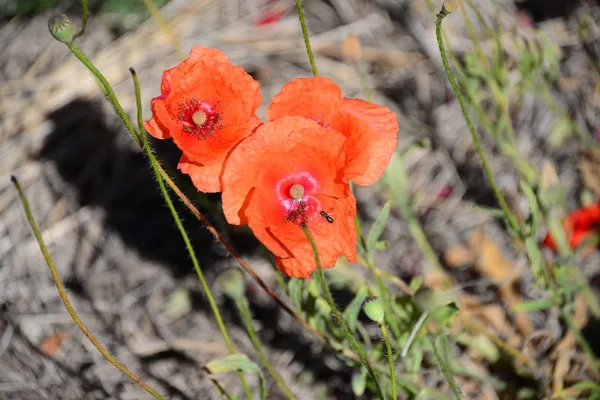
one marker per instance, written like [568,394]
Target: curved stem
[188,243]
[388,345]
[338,315]
[445,371]
[309,51]
[244,310]
[65,299]
[510,218]
[84,19]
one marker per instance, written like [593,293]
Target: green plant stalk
[338,315]
[84,19]
[510,218]
[184,235]
[244,310]
[445,371]
[109,91]
[65,299]
[566,314]
[309,51]
[385,294]
[388,345]
[162,24]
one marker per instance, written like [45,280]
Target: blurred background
[124,263]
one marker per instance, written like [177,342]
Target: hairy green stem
[309,51]
[65,299]
[188,244]
[388,345]
[510,218]
[244,309]
[338,315]
[445,371]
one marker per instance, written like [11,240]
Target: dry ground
[114,242]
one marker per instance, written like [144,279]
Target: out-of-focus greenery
[29,8]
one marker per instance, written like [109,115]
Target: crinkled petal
[315,98]
[372,133]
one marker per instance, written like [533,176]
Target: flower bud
[233,283]
[61,28]
[449,6]
[374,309]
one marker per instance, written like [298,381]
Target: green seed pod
[61,28]
[374,309]
[233,283]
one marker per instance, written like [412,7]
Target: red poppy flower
[372,130]
[289,174]
[580,225]
[207,105]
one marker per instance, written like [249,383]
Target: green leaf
[560,132]
[430,394]
[231,363]
[378,226]
[444,313]
[359,381]
[353,309]
[382,245]
[533,305]
[295,286]
[416,283]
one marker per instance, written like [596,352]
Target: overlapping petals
[287,175]
[207,105]
[371,130]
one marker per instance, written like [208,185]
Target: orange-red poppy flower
[580,225]
[372,130]
[287,175]
[207,105]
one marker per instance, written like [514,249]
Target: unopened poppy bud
[351,48]
[449,7]
[61,28]
[233,283]
[374,309]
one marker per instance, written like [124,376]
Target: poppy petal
[314,98]
[372,133]
[204,177]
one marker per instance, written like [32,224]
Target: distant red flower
[580,225]
[371,130]
[289,174]
[207,105]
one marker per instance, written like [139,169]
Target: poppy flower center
[199,119]
[296,194]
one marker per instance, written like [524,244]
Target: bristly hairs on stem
[338,315]
[311,57]
[188,244]
[65,299]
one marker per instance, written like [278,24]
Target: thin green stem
[190,249]
[388,345]
[309,51]
[385,294]
[338,315]
[108,89]
[445,371]
[583,343]
[84,19]
[65,299]
[510,218]
[244,310]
